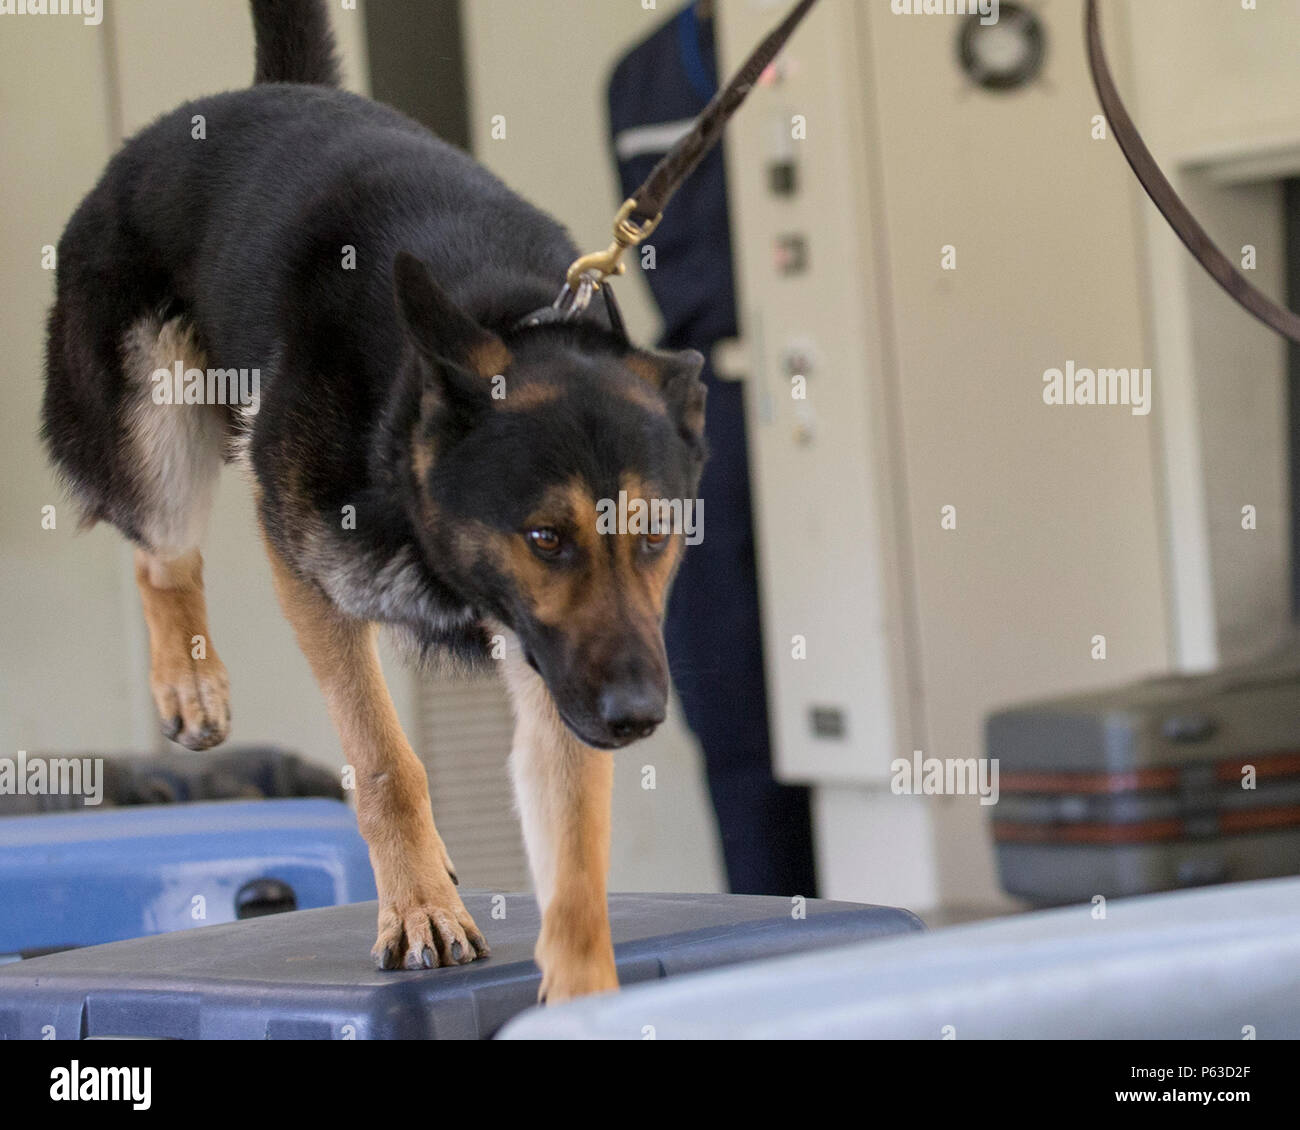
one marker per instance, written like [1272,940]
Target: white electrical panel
[817,418]
[926,223]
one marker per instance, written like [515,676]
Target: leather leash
[1168,201]
[641,213]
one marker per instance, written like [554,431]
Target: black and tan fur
[420,462]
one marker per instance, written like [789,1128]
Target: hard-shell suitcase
[80,878]
[1171,782]
[308,975]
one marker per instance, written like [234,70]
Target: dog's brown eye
[545,541]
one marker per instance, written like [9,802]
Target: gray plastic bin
[1218,964]
[308,975]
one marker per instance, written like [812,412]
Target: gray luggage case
[1172,782]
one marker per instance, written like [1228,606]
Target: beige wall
[1218,99]
[1059,535]
[63,679]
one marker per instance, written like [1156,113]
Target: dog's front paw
[564,980]
[574,951]
[193,700]
[427,932]
[576,957]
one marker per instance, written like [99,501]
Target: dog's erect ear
[676,377]
[446,337]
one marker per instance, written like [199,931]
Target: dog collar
[572,304]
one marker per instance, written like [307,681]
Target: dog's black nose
[631,710]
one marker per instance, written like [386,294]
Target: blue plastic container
[82,878]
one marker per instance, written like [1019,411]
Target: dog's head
[552,480]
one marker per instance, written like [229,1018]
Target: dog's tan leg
[422,921]
[175,454]
[189,682]
[563,790]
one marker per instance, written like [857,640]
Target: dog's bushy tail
[294,43]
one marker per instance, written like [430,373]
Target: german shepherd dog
[420,460]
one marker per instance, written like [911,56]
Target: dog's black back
[262,226]
[258,216]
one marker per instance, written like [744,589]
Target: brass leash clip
[600,265]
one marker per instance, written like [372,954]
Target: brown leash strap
[678,164]
[1167,200]
[641,213]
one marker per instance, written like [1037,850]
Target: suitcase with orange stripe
[1172,782]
